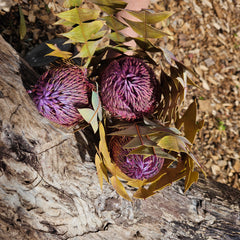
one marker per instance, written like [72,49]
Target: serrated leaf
[150,18]
[191,176]
[22,27]
[104,149]
[101,170]
[86,113]
[58,52]
[149,151]
[136,142]
[72,3]
[191,126]
[64,23]
[144,30]
[79,15]
[172,175]
[88,49]
[114,23]
[84,32]
[172,143]
[168,55]
[118,186]
[143,193]
[111,7]
[117,37]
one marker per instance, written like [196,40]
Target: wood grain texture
[49,187]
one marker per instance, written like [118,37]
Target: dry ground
[206,38]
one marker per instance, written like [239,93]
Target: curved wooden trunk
[49,187]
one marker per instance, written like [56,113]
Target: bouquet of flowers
[145,139]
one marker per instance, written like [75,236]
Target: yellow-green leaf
[84,32]
[57,52]
[72,3]
[148,151]
[114,23]
[101,170]
[150,18]
[64,23]
[145,30]
[79,15]
[111,7]
[22,28]
[118,186]
[172,143]
[88,49]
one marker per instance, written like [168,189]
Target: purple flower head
[59,91]
[129,88]
[134,166]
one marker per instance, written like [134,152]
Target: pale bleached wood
[49,190]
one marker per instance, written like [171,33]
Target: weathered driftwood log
[49,187]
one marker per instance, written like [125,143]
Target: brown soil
[206,38]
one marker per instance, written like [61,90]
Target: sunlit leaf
[136,142]
[143,193]
[172,143]
[57,52]
[191,176]
[118,186]
[144,30]
[22,28]
[114,23]
[149,17]
[84,32]
[149,151]
[168,55]
[79,15]
[64,23]
[191,126]
[88,49]
[111,7]
[101,170]
[104,149]
[72,3]
[117,37]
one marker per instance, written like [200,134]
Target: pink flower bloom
[134,166]
[59,91]
[129,88]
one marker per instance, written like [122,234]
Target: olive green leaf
[118,186]
[114,23]
[79,15]
[111,7]
[149,17]
[57,52]
[144,30]
[22,28]
[84,31]
[72,3]
[101,170]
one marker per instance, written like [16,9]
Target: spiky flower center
[59,91]
[134,165]
[128,88]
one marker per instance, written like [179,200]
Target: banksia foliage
[129,88]
[60,91]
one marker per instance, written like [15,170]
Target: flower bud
[129,88]
[60,91]
[133,165]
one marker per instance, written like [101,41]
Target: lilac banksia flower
[133,165]
[59,92]
[129,88]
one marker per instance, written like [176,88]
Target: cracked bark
[49,187]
